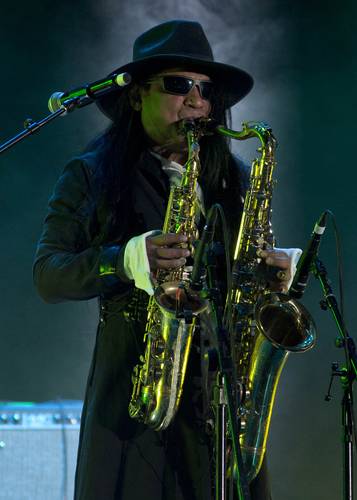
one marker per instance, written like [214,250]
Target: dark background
[303,59]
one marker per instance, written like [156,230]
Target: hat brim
[236,83]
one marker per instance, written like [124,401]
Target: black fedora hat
[181,44]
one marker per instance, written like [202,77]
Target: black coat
[77,260]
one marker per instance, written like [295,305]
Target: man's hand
[280,259]
[165,251]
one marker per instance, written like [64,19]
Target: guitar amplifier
[38,449]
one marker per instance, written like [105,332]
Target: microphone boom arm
[61,103]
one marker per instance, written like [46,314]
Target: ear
[135,97]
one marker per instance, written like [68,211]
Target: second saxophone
[264,326]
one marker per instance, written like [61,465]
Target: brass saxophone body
[265,326]
[172,310]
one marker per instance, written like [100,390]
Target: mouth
[199,123]
[180,124]
[192,117]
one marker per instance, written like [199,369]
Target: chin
[176,143]
[178,147]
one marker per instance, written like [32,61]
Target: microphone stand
[65,102]
[226,397]
[31,126]
[347,375]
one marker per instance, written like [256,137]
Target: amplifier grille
[38,450]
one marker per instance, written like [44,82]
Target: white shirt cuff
[136,263]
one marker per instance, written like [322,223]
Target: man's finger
[167,239]
[275,258]
[171,253]
[169,263]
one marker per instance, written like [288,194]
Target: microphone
[82,96]
[206,239]
[306,260]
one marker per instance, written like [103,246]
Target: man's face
[161,111]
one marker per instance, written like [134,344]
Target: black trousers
[175,464]
[145,475]
[120,459]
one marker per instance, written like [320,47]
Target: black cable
[227,314]
[226,248]
[341,304]
[339,262]
[228,324]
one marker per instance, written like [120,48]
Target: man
[100,239]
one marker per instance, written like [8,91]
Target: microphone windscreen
[54,102]
[123,79]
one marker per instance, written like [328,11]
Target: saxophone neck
[259,130]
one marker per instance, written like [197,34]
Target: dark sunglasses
[182,85]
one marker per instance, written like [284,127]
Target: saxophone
[264,326]
[172,310]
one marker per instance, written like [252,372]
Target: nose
[194,97]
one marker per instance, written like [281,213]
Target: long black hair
[121,145]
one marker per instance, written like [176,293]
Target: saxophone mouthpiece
[186,125]
[202,126]
[208,125]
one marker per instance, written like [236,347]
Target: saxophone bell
[282,325]
[179,300]
[285,322]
